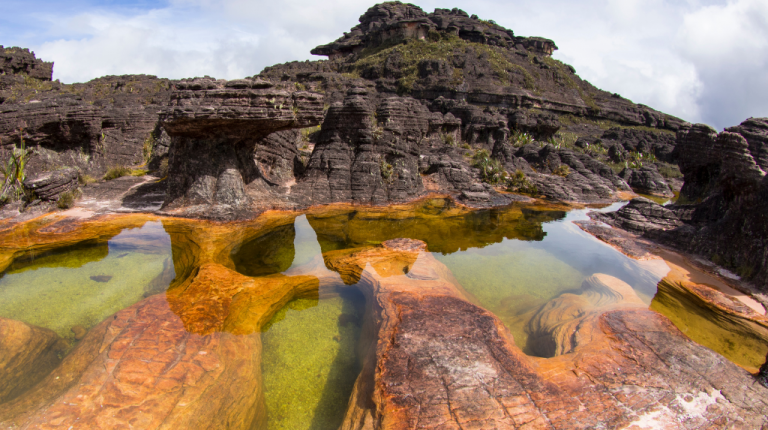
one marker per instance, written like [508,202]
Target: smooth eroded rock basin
[426,315]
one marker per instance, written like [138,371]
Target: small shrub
[162,171]
[307,132]
[67,198]
[116,172]
[519,138]
[491,170]
[561,170]
[14,171]
[85,179]
[149,145]
[386,170]
[519,183]
[300,86]
[139,172]
[449,140]
[636,160]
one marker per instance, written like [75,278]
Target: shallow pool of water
[81,285]
[511,261]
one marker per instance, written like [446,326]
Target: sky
[700,60]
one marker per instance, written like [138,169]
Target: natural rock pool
[270,323]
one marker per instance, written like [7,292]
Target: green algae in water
[56,291]
[309,362]
[512,280]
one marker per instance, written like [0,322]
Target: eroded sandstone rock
[438,361]
[27,354]
[219,159]
[49,186]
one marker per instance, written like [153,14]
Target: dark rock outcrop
[755,131]
[15,60]
[110,121]
[409,100]
[647,180]
[721,213]
[48,186]
[641,216]
[661,145]
[223,160]
[564,175]
[394,22]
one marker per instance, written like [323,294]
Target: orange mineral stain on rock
[191,358]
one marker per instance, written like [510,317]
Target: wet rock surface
[27,354]
[432,358]
[443,363]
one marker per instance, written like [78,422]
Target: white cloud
[701,60]
[728,45]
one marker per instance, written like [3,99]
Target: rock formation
[441,362]
[222,160]
[15,61]
[413,99]
[107,122]
[721,211]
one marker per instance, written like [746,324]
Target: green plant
[162,171]
[519,183]
[491,170]
[448,139]
[116,172]
[85,179]
[519,138]
[635,160]
[561,170]
[67,198]
[14,170]
[300,86]
[149,145]
[596,149]
[377,130]
[386,170]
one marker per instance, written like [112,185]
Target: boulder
[641,216]
[48,186]
[647,180]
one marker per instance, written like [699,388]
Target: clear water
[83,285]
[509,260]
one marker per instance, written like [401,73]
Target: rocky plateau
[408,105]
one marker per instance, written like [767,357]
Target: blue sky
[701,60]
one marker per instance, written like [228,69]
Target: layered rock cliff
[721,212]
[412,103]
